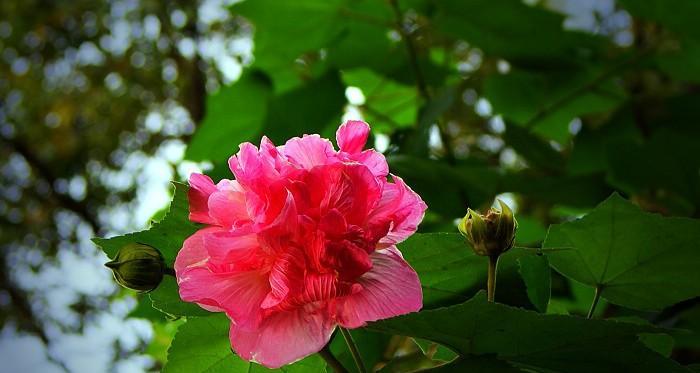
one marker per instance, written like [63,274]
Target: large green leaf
[166,235]
[666,161]
[537,276]
[234,114]
[285,30]
[451,273]
[545,102]
[311,106]
[388,105]
[636,259]
[512,29]
[202,345]
[469,181]
[526,339]
[166,298]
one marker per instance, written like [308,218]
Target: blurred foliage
[553,104]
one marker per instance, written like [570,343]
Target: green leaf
[549,108]
[285,30]
[680,16]
[534,341]
[513,30]
[537,276]
[365,42]
[450,272]
[388,105]
[202,345]
[638,260]
[234,114]
[483,363]
[166,235]
[474,182]
[315,105]
[166,299]
[665,161]
[683,64]
[370,344]
[536,151]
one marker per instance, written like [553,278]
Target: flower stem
[169,271]
[331,360]
[491,281]
[353,350]
[596,298]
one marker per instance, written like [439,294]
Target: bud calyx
[138,267]
[491,234]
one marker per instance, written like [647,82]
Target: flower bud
[138,267]
[491,234]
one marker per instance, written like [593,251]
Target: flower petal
[374,160]
[201,187]
[309,151]
[390,288]
[352,136]
[239,294]
[232,249]
[193,252]
[283,337]
[402,207]
[227,205]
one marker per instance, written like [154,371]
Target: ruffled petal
[352,136]
[283,337]
[233,249]
[402,207]
[349,188]
[193,252]
[309,151]
[391,288]
[374,160]
[227,205]
[239,294]
[286,276]
[201,187]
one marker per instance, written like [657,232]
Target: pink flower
[301,241]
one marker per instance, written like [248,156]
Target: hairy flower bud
[491,234]
[138,267]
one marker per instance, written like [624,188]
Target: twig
[545,112]
[353,350]
[331,360]
[43,171]
[411,48]
[594,303]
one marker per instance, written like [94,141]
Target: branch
[420,80]
[21,304]
[593,84]
[411,48]
[45,172]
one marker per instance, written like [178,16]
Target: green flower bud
[138,267]
[491,234]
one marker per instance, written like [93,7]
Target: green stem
[596,298]
[353,350]
[331,360]
[491,281]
